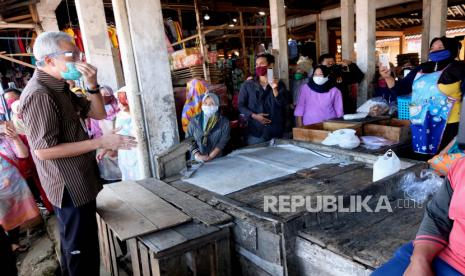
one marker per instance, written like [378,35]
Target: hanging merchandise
[113,36]
[386,165]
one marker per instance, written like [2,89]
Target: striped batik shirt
[52,115]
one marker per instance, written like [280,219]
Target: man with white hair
[61,148]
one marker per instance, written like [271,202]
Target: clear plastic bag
[420,188]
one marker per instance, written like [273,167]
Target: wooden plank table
[161,225]
[130,210]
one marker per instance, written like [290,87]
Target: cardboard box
[393,129]
[318,132]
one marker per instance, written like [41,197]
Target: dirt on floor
[40,258]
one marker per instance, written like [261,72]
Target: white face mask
[209,110]
[320,80]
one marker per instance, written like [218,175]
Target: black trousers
[79,238]
[7,258]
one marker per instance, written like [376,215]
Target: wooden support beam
[382,33]
[16,26]
[226,27]
[17,18]
[17,61]
[244,49]
[229,7]
[399,9]
[35,17]
[203,51]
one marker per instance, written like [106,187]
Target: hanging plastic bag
[344,138]
[386,165]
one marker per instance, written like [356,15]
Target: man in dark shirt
[61,148]
[344,76]
[263,103]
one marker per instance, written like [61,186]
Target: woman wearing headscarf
[319,100]
[436,87]
[209,129]
[107,160]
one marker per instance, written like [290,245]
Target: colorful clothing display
[17,205]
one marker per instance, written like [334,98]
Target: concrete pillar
[425,31]
[366,44]
[131,83]
[322,38]
[92,22]
[438,19]
[434,24]
[347,28]
[279,39]
[154,76]
[46,15]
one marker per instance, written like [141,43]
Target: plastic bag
[375,142]
[386,165]
[374,107]
[355,116]
[344,138]
[419,189]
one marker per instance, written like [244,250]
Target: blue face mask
[439,55]
[72,73]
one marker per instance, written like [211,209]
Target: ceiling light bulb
[262,13]
[206,17]
[234,20]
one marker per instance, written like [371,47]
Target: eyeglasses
[75,55]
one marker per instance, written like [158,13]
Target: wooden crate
[318,132]
[189,249]
[393,129]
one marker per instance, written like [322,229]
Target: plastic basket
[403,107]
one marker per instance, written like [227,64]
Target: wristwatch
[93,91]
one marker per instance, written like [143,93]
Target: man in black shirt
[262,102]
[344,76]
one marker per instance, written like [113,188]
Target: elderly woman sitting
[209,129]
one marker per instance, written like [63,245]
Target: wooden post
[402,44]
[434,24]
[203,51]
[366,44]
[180,24]
[132,85]
[244,49]
[322,36]
[279,38]
[347,28]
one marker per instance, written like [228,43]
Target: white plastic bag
[419,189]
[344,138]
[386,165]
[366,107]
[355,116]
